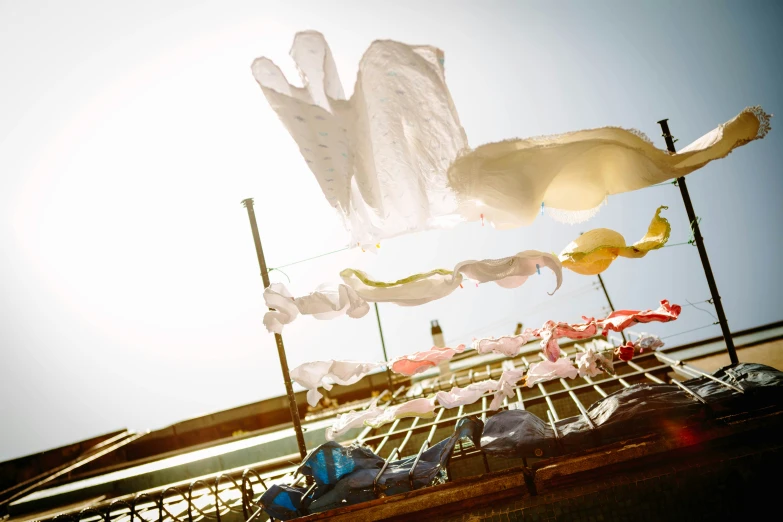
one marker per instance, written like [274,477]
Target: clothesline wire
[677,244]
[691,330]
[309,259]
[702,309]
[697,302]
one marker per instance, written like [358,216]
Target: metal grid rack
[233,496]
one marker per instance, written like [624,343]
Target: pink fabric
[508,345]
[552,331]
[622,319]
[617,321]
[422,361]
[549,370]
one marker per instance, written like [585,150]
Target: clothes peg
[538,269]
[482,220]
[542,208]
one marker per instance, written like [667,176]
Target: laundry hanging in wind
[394,159]
[589,254]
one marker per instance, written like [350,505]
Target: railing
[234,497]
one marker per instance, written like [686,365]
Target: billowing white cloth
[313,375]
[352,419]
[503,388]
[507,182]
[508,379]
[380,157]
[547,370]
[324,303]
[468,395]
[415,408]
[648,342]
[394,158]
[376,417]
[592,361]
[507,272]
[352,297]
[508,345]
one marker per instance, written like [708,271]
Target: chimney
[437,340]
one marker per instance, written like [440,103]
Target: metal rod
[578,404]
[705,261]
[248,204]
[383,468]
[611,306]
[424,446]
[383,346]
[674,363]
[689,391]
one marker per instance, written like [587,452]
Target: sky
[130,293]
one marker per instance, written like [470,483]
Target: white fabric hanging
[508,272]
[468,395]
[593,361]
[381,157]
[351,298]
[509,345]
[324,303]
[547,370]
[325,374]
[507,182]
[353,419]
[648,342]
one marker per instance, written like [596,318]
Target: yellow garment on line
[593,252]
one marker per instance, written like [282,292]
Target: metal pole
[383,345]
[611,306]
[705,261]
[248,204]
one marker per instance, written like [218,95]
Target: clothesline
[691,330]
[309,258]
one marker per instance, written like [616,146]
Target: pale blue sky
[129,133]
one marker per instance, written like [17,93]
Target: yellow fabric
[593,252]
[364,278]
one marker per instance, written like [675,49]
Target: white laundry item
[507,272]
[468,395]
[512,271]
[509,345]
[648,342]
[506,183]
[592,361]
[313,375]
[324,303]
[415,408]
[547,370]
[381,157]
[506,383]
[352,419]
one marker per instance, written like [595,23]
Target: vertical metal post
[383,346]
[248,204]
[705,261]
[611,306]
